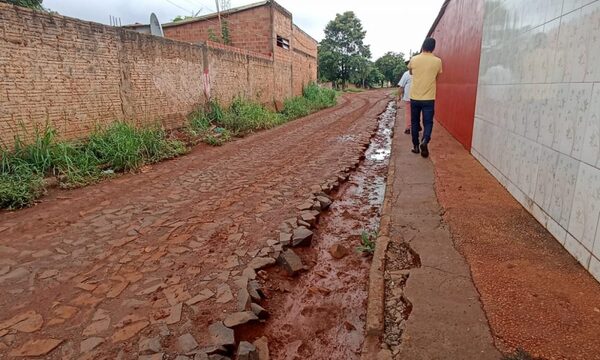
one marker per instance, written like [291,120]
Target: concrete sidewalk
[447,320]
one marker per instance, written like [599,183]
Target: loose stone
[290,262]
[262,346]
[221,335]
[338,251]
[259,311]
[255,290]
[239,318]
[247,351]
[302,237]
[261,262]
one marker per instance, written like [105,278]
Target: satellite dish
[155,27]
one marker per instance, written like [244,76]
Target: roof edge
[231,11]
[214,15]
[438,18]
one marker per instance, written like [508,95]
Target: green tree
[32,4]
[342,54]
[181,18]
[392,65]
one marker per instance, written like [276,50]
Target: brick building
[265,28]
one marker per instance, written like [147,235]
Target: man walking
[404,95]
[424,69]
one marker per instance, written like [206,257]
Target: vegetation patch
[120,147]
[216,125]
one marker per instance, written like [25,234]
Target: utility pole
[219,14]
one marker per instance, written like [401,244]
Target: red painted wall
[458,35]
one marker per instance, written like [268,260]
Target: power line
[178,6]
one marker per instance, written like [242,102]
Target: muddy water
[322,314]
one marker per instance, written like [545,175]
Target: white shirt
[405,82]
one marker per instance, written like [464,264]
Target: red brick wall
[76,75]
[304,60]
[249,29]
[282,26]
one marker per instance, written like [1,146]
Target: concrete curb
[375,325]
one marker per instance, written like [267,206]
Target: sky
[391,25]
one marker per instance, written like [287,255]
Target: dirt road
[99,272]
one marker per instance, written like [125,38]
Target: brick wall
[304,60]
[76,75]
[249,29]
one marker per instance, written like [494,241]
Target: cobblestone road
[131,266]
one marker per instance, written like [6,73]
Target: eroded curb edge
[375,325]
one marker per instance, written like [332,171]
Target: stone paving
[143,265]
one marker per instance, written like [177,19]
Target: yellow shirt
[425,69]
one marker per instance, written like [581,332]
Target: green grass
[216,125]
[120,147]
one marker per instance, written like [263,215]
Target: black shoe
[407,131]
[424,150]
[415,150]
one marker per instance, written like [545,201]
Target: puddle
[321,314]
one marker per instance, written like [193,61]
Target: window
[283,42]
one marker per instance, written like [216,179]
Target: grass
[216,125]
[120,147]
[367,240]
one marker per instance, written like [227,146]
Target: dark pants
[418,107]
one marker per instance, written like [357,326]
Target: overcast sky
[391,25]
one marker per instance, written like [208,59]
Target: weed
[120,147]
[19,186]
[37,154]
[123,147]
[520,354]
[367,245]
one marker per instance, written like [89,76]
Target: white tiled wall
[537,121]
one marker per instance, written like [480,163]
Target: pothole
[321,313]
[400,258]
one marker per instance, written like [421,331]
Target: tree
[392,65]
[342,54]
[32,4]
[181,18]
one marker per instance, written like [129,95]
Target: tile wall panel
[537,117]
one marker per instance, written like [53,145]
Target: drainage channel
[321,314]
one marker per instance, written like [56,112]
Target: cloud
[391,25]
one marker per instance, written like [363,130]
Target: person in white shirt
[404,95]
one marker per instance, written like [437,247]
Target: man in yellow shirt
[424,69]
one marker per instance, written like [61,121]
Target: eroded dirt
[322,314]
[534,293]
[88,273]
